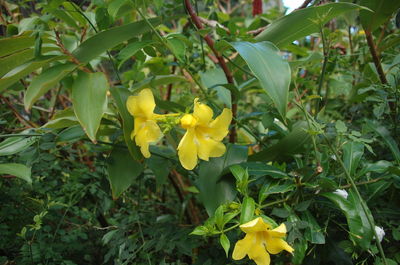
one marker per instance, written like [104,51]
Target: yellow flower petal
[280,231]
[259,254]
[256,225]
[202,112]
[188,121]
[276,245]
[219,127]
[146,102]
[148,132]
[243,246]
[187,150]
[208,147]
[133,106]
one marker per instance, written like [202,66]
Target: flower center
[188,121]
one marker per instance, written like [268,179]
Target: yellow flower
[203,136]
[260,240]
[145,130]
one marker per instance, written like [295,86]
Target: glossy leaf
[271,70]
[62,119]
[120,96]
[360,230]
[101,42]
[16,43]
[122,171]
[17,73]
[352,153]
[383,10]
[89,97]
[247,212]
[45,81]
[13,145]
[225,243]
[214,189]
[130,50]
[212,79]
[303,22]
[18,170]
[289,145]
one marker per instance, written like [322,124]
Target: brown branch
[69,54]
[18,115]
[361,183]
[304,4]
[197,22]
[375,56]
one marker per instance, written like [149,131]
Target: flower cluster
[203,133]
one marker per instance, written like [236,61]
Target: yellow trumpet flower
[146,129]
[260,241]
[203,136]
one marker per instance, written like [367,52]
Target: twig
[375,56]
[304,4]
[18,115]
[197,22]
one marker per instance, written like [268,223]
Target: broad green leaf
[214,189]
[72,9]
[247,212]
[103,19]
[158,80]
[89,97]
[45,81]
[16,43]
[387,138]
[13,145]
[352,153]
[219,217]
[120,96]
[71,134]
[108,39]
[224,241]
[271,70]
[62,119]
[21,71]
[213,77]
[18,170]
[130,50]
[9,62]
[160,166]
[360,230]
[122,171]
[261,169]
[383,11]
[303,22]
[314,232]
[289,145]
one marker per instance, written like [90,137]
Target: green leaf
[219,217]
[225,243]
[247,212]
[122,171]
[17,73]
[16,43]
[213,77]
[18,170]
[62,119]
[130,50]
[45,81]
[16,144]
[101,42]
[200,231]
[383,10]
[89,97]
[214,189]
[303,22]
[352,154]
[120,96]
[360,230]
[158,80]
[313,232]
[103,19]
[71,134]
[289,145]
[271,70]
[386,137]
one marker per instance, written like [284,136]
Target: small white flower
[380,232]
[342,193]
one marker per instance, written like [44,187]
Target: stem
[196,21]
[375,56]
[273,203]
[363,204]
[321,77]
